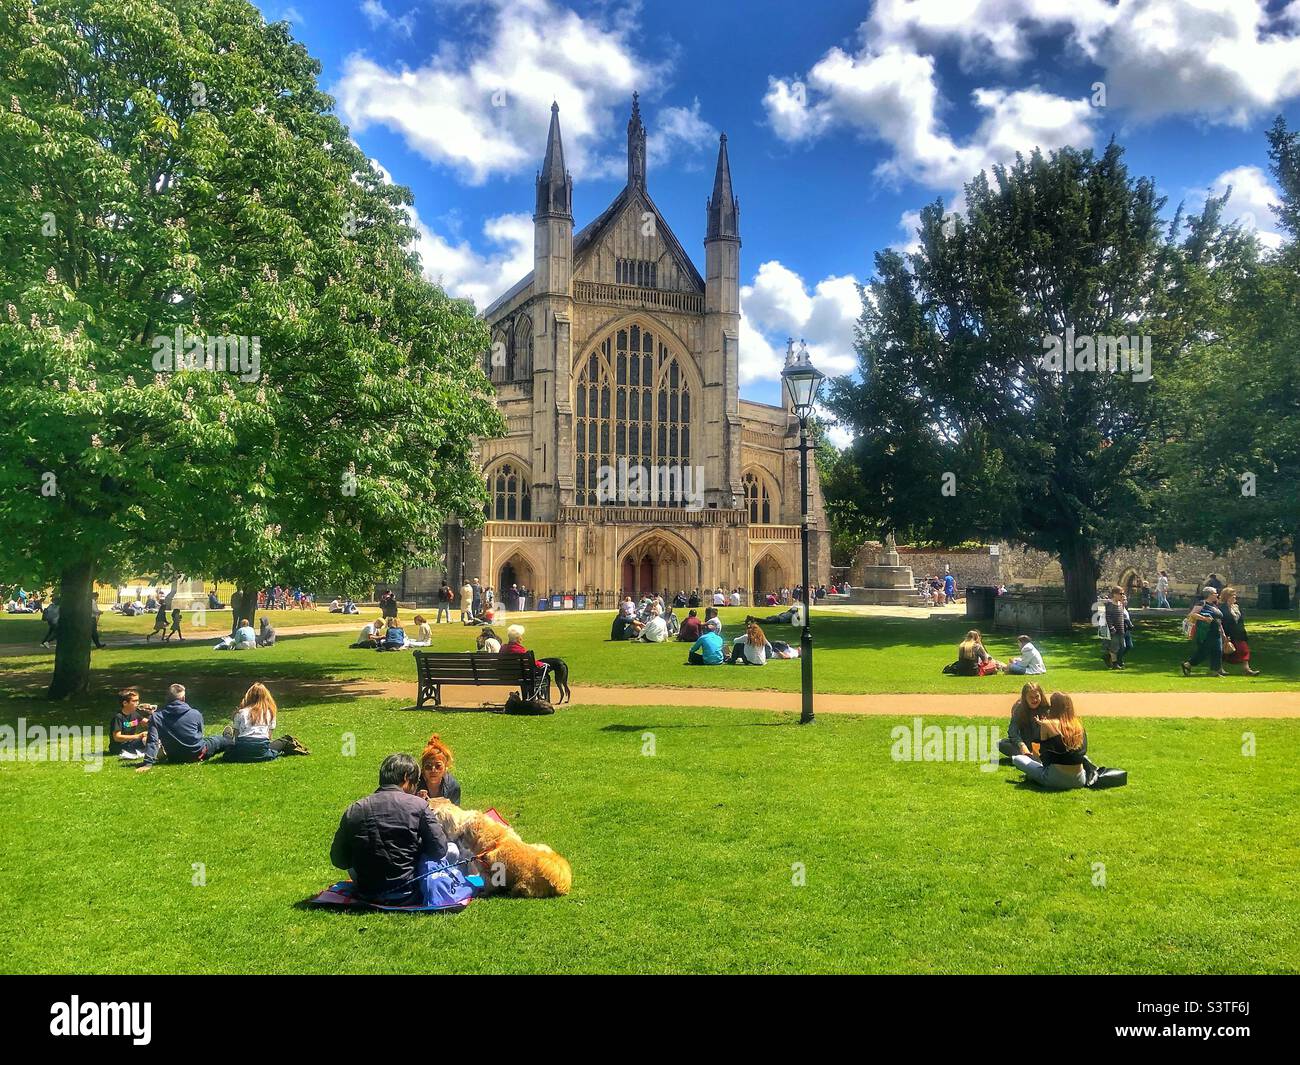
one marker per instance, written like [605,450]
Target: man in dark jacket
[179,728]
[386,840]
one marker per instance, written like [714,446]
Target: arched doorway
[515,571]
[658,562]
[1131,583]
[769,576]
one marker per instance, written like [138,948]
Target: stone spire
[724,208]
[554,183]
[635,147]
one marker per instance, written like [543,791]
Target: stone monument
[886,583]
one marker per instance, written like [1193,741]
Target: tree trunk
[1080,569]
[72,652]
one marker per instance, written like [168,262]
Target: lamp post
[802,379]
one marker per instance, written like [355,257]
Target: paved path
[984,704]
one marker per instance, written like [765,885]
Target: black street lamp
[802,379]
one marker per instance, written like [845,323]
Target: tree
[217,353]
[972,416]
[1234,457]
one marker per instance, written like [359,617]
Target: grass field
[852,654]
[683,860]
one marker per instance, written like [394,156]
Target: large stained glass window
[631,402]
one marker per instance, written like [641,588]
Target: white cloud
[1253,196]
[482,107]
[1222,60]
[462,271]
[893,95]
[777,305]
[678,130]
[379,18]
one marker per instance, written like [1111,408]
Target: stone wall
[1245,566]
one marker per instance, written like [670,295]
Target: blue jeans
[1048,776]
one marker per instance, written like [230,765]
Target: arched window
[632,402]
[522,360]
[501,355]
[760,499]
[509,495]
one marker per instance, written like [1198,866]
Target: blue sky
[842,120]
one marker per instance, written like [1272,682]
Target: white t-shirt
[491,646]
[1162,583]
[244,727]
[719,599]
[655,631]
[755,656]
[735,599]
[245,637]
[1032,660]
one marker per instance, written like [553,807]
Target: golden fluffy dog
[507,863]
[526,870]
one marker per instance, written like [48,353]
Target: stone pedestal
[886,583]
[187,594]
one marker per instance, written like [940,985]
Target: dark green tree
[174,188]
[964,426]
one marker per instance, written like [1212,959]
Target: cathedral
[630,463]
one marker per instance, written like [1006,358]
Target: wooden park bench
[436,668]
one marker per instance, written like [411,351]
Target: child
[176,627]
[130,726]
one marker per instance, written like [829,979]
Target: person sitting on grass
[178,729]
[423,632]
[624,626]
[1206,619]
[972,659]
[394,636]
[266,638]
[654,629]
[1022,730]
[245,637]
[436,781]
[488,641]
[752,649]
[1234,632]
[389,841]
[130,728]
[1063,748]
[691,628]
[1029,662]
[371,634]
[253,724]
[707,650]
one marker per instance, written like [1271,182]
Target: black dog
[558,669]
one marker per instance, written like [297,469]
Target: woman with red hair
[436,781]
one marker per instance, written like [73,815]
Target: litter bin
[980,599]
[1274,596]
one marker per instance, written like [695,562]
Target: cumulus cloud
[1220,60]
[778,304]
[1253,197]
[482,107]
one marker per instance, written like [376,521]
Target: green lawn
[853,654]
[683,861]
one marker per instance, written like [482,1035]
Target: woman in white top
[488,642]
[253,724]
[423,632]
[753,648]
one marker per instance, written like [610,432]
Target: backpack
[516,704]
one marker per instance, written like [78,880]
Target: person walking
[50,615]
[1234,634]
[1206,617]
[1162,590]
[467,604]
[445,597]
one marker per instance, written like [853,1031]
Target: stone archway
[769,575]
[657,562]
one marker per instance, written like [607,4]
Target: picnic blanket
[444,887]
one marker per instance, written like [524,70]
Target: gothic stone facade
[615,349]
